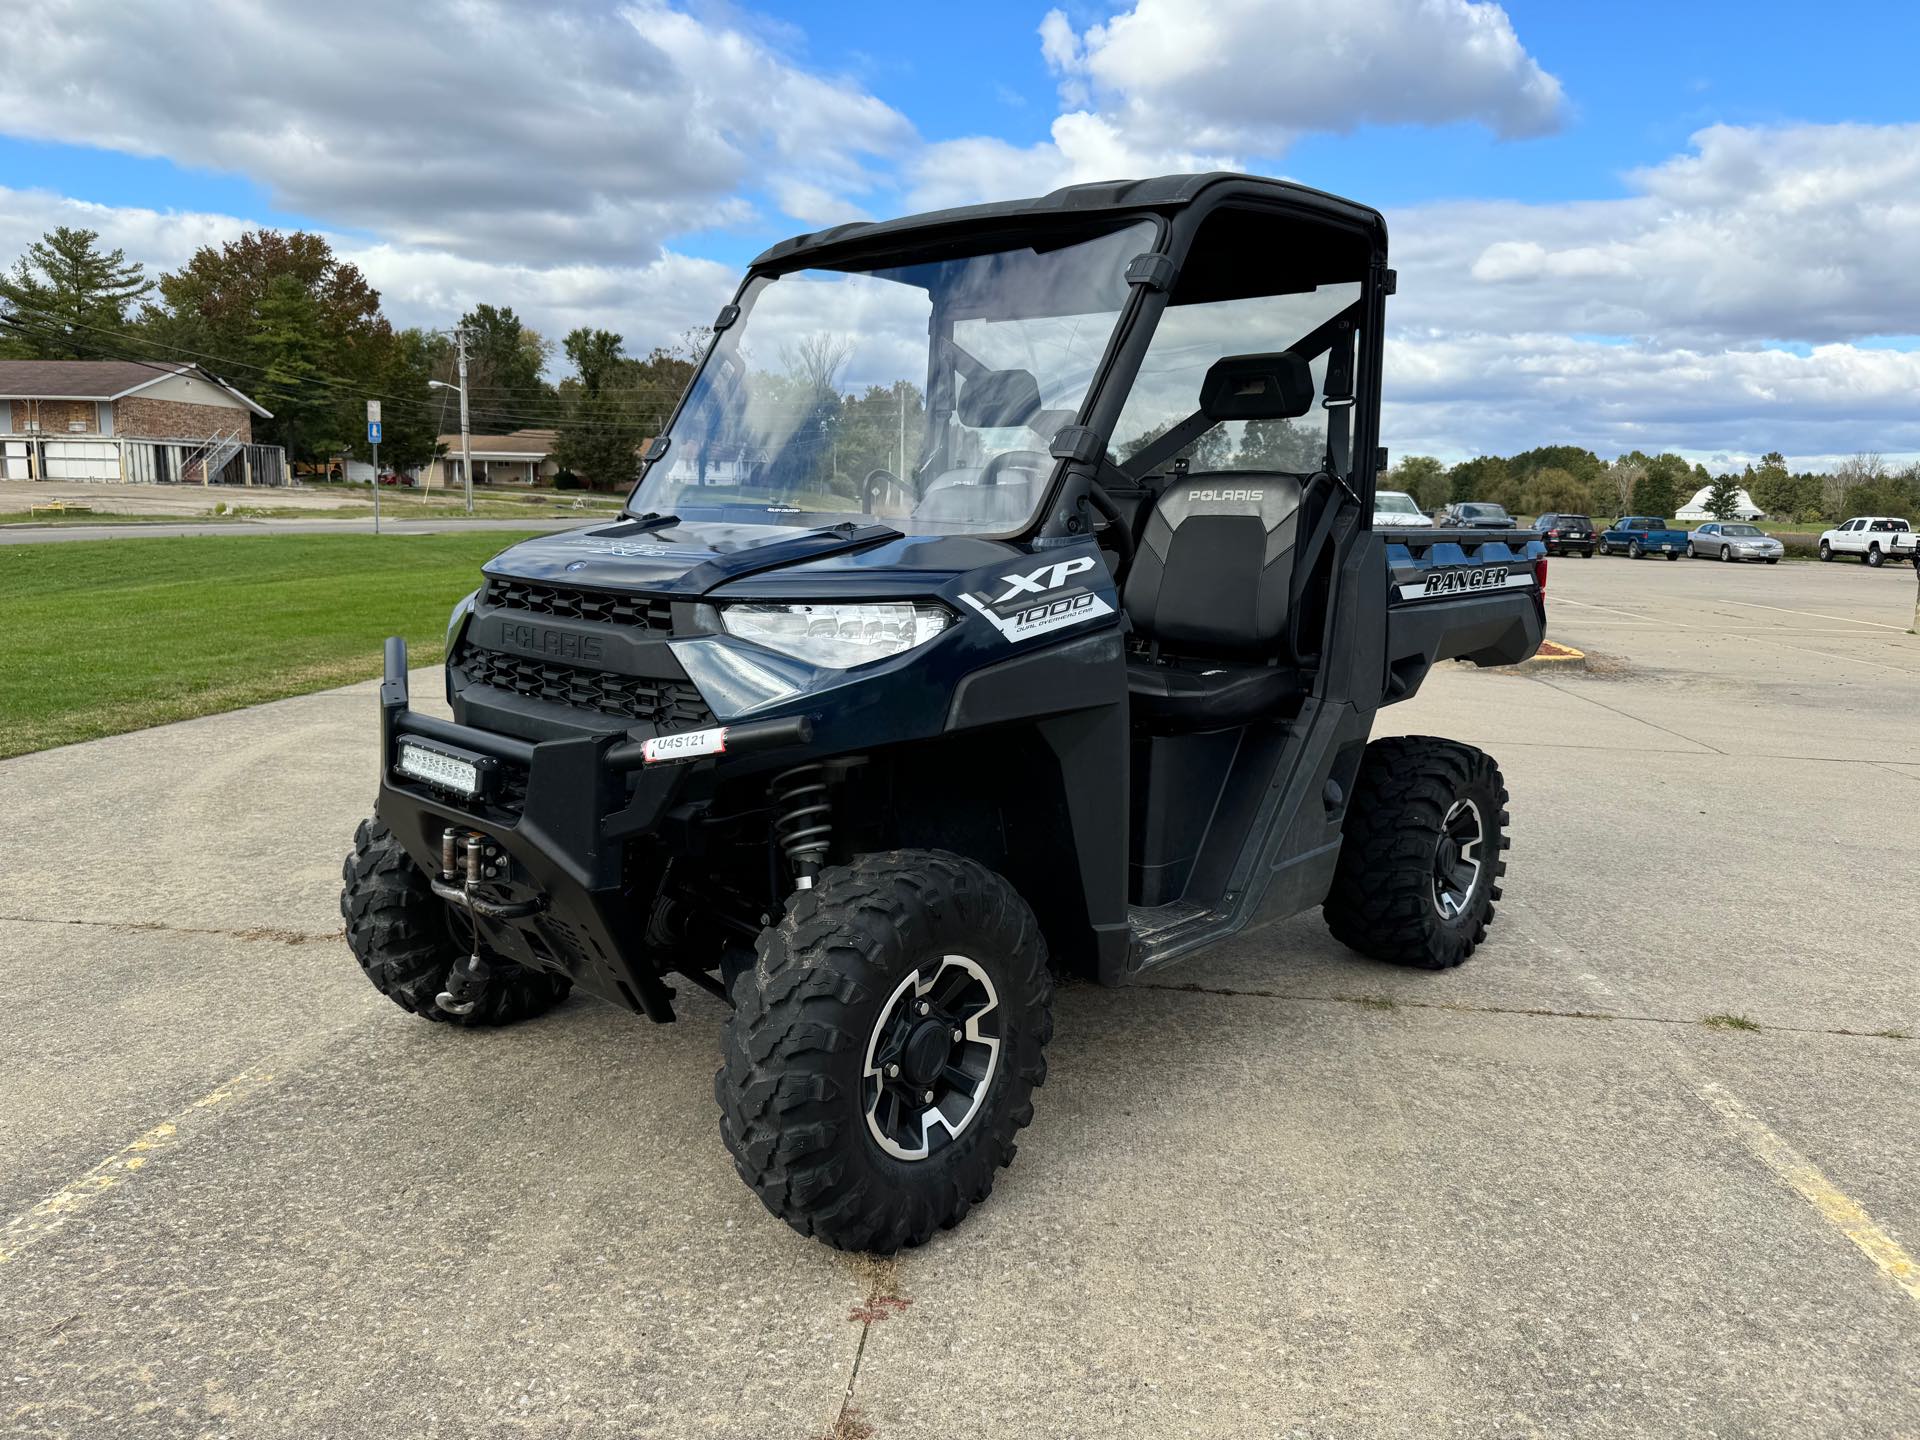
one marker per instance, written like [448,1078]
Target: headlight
[460,612]
[837,637]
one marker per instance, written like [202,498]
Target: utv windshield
[921,395]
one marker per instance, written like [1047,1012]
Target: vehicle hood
[673,558]
[1382,519]
[695,558]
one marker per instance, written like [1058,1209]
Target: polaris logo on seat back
[1454,582]
[1248,497]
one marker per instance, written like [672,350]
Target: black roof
[1164,193]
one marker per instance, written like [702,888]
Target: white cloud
[1798,233]
[649,303]
[1729,306]
[1486,393]
[562,132]
[1173,85]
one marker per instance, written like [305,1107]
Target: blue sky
[1593,206]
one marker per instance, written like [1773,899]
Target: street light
[466,444]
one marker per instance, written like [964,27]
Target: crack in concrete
[1384,1002]
[883,1300]
[258,932]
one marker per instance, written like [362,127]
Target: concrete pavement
[1276,1191]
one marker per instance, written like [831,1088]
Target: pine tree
[1723,497]
[598,440]
[66,299]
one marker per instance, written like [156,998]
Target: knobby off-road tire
[1414,796]
[398,930]
[799,1110]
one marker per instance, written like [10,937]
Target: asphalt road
[55,534]
[1279,1191]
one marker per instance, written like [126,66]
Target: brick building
[122,419]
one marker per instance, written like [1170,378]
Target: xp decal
[1019,618]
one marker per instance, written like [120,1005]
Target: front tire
[398,930]
[1422,857]
[883,1052]
[1826,551]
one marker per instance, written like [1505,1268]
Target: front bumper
[580,819]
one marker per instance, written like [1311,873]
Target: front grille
[570,604]
[669,704]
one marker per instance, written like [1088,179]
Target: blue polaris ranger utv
[1001,601]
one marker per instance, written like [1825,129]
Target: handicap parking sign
[373,432]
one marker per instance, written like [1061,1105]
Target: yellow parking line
[53,1212]
[1840,1209]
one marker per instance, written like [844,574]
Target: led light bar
[443,769]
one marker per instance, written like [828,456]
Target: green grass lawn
[104,636]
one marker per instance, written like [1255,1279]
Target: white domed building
[1696,508]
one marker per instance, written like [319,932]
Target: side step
[1166,932]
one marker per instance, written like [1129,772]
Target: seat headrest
[1274,386]
[999,399]
[1269,496]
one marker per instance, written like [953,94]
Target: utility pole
[466,438]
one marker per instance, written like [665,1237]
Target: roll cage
[1318,238]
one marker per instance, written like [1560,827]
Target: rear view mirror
[999,399]
[1276,386]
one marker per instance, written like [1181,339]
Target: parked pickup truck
[1876,539]
[1638,535]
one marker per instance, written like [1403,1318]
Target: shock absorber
[803,819]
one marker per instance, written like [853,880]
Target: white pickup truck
[1874,538]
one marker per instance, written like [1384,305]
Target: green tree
[598,440]
[66,299]
[1422,477]
[1485,477]
[1657,491]
[1557,490]
[410,416]
[1278,445]
[1583,465]
[506,361]
[297,322]
[1723,497]
[1772,488]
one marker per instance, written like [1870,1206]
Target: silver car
[1733,540]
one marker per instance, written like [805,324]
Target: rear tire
[820,1124]
[1874,558]
[1402,892]
[1633,550]
[1726,553]
[398,930]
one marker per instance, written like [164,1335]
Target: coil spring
[803,823]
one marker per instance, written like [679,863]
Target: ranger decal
[1445,581]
